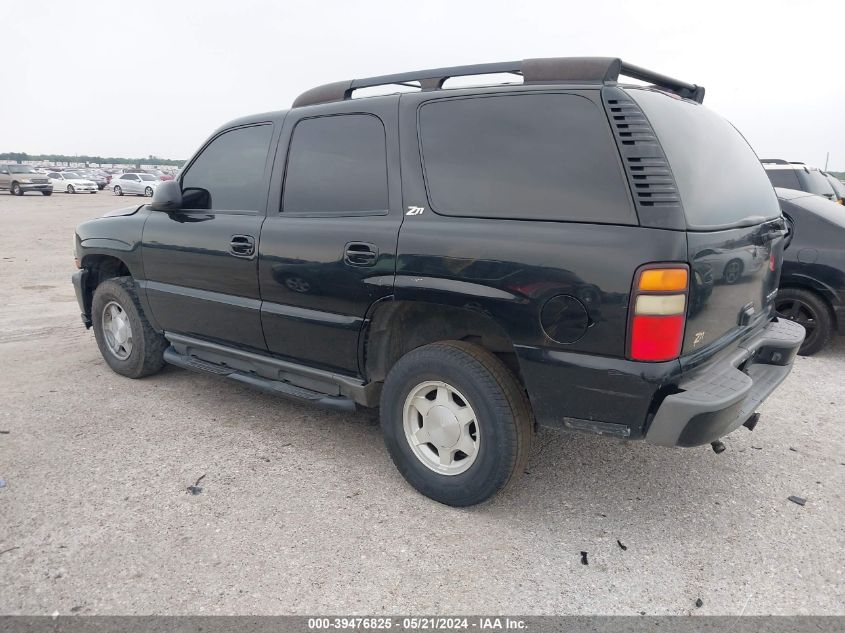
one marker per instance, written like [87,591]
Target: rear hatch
[735,230]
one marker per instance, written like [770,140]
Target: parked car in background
[94,175]
[812,283]
[18,179]
[71,182]
[838,187]
[140,184]
[798,176]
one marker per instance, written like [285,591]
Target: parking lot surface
[301,510]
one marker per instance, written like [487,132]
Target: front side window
[337,165]
[523,156]
[147,177]
[229,173]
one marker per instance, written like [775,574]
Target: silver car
[138,184]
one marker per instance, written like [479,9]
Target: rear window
[720,179]
[785,178]
[523,156]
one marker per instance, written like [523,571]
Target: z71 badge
[415,210]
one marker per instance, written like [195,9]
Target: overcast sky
[117,78]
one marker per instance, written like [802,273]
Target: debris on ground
[196,488]
[353,494]
[76,608]
[4,432]
[799,500]
[621,544]
[699,603]
[2,483]
[793,449]
[757,448]
[584,560]
[11,549]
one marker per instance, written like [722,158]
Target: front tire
[456,422]
[127,341]
[148,192]
[811,311]
[46,193]
[16,189]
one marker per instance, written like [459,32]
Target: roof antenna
[827,158]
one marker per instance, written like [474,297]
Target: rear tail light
[658,312]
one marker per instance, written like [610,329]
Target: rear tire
[70,189]
[811,311]
[118,191]
[134,349]
[148,192]
[499,434]
[46,193]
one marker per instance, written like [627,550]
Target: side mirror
[167,197]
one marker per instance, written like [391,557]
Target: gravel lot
[303,512]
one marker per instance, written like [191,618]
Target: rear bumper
[718,398]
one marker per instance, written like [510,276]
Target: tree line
[100,160]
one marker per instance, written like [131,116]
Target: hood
[124,211]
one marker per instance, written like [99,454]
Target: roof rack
[545,70]
[775,161]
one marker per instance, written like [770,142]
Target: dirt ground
[302,511]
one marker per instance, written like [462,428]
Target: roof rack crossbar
[541,70]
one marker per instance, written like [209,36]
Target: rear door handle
[360,254]
[242,246]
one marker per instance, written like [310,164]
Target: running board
[275,387]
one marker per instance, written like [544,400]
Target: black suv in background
[812,285]
[474,261]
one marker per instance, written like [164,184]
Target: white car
[138,184]
[71,182]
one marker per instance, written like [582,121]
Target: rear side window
[523,156]
[231,170]
[337,165]
[784,178]
[720,178]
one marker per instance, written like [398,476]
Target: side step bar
[276,387]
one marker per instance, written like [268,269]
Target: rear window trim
[527,90]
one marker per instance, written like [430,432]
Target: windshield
[21,169]
[818,184]
[147,177]
[720,179]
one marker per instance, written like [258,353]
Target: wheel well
[401,326]
[100,268]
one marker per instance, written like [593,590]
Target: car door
[5,179]
[133,183]
[328,245]
[200,262]
[56,181]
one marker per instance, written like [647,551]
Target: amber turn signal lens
[663,279]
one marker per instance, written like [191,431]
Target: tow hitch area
[751,422]
[718,447]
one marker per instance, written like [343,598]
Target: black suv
[474,261]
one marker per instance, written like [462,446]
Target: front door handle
[242,246]
[360,254]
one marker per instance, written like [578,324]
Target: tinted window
[231,170]
[337,164]
[785,178]
[523,156]
[719,177]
